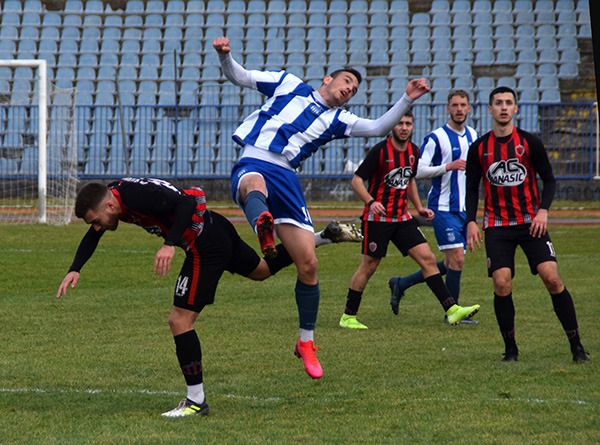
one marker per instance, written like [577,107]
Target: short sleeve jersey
[292,122]
[388,172]
[442,146]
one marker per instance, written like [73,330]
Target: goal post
[38,164]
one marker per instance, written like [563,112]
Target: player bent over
[211,245]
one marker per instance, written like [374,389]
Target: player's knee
[308,267]
[554,284]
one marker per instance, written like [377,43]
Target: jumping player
[211,246]
[295,121]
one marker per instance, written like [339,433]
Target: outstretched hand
[221,44]
[70,279]
[416,88]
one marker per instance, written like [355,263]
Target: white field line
[146,392]
[150,392]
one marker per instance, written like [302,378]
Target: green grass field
[99,366]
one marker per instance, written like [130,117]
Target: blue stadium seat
[568,70]
[548,56]
[93,6]
[525,70]
[506,56]
[12,6]
[527,56]
[32,19]
[550,96]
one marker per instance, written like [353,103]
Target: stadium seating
[88,44]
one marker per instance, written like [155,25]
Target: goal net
[38,146]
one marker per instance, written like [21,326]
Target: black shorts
[501,245]
[218,248]
[377,235]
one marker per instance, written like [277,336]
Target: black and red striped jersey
[160,208]
[177,215]
[388,172]
[509,167]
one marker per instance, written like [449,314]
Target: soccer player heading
[294,122]
[508,161]
[211,246]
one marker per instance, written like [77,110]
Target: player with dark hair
[211,246]
[390,167]
[295,122]
[443,159]
[508,160]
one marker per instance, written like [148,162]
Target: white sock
[320,240]
[306,335]
[196,393]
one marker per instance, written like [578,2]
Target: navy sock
[353,302]
[453,283]
[307,300]
[439,289]
[505,315]
[565,311]
[417,277]
[189,354]
[254,205]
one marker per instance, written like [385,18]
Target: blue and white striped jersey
[294,121]
[442,146]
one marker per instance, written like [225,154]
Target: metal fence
[195,141]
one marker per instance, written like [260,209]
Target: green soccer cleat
[456,313]
[187,408]
[350,322]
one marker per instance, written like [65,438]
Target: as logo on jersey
[398,178]
[507,173]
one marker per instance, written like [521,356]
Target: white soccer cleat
[187,408]
[339,232]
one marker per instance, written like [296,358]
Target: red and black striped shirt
[509,167]
[388,172]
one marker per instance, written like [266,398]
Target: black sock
[565,311]
[439,289]
[281,261]
[189,354]
[353,302]
[505,315]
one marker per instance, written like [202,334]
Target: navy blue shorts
[501,245]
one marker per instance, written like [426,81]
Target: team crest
[372,246]
[520,150]
[411,160]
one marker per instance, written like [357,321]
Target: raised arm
[384,124]
[232,70]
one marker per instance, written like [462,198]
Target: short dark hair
[461,93]
[502,89]
[409,114]
[89,197]
[348,69]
